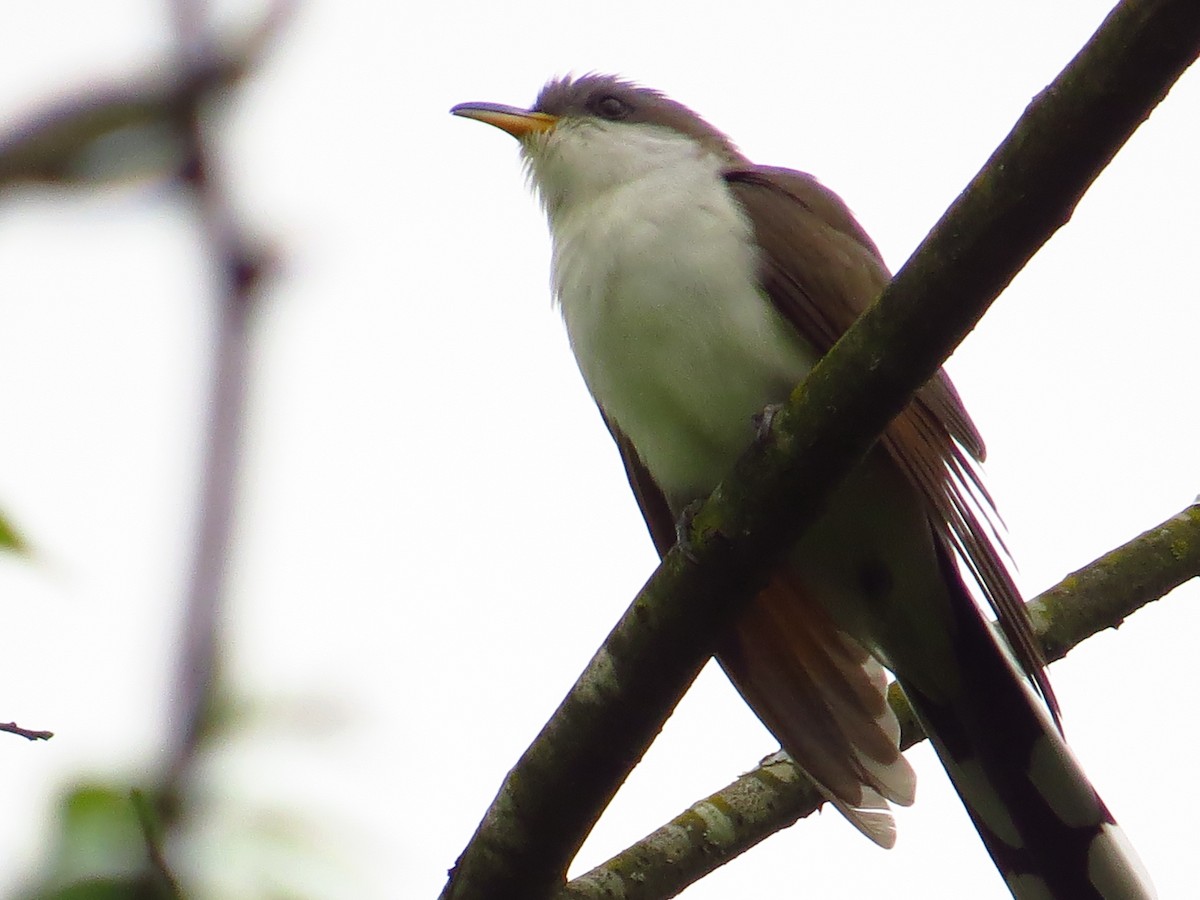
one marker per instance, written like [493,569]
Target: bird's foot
[683,528]
[763,420]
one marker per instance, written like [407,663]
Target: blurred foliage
[100,851]
[10,538]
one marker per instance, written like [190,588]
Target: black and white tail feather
[1045,826]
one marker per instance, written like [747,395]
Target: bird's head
[588,135]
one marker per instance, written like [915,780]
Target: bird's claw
[763,420]
[683,527]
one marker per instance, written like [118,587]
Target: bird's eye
[611,107]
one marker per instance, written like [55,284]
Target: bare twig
[1027,190]
[14,728]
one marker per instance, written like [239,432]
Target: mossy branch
[775,794]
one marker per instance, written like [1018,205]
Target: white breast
[656,277]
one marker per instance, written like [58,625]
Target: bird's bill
[516,121]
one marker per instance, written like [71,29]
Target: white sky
[435,532]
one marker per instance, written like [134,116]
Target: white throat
[655,269]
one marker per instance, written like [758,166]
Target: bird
[698,289]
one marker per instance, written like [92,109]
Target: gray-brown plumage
[697,288]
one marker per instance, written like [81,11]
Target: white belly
[659,291]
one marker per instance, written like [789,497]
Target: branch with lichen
[775,794]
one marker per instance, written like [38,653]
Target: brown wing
[838,263]
[821,285]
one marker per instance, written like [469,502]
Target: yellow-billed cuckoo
[698,288]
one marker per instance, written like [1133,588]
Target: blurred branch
[1026,191]
[154,125]
[164,882]
[239,265]
[63,142]
[14,728]
[775,794]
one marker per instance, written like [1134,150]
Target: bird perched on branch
[697,289]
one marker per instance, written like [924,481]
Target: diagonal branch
[776,794]
[1025,192]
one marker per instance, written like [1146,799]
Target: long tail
[1043,823]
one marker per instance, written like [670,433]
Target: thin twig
[14,728]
